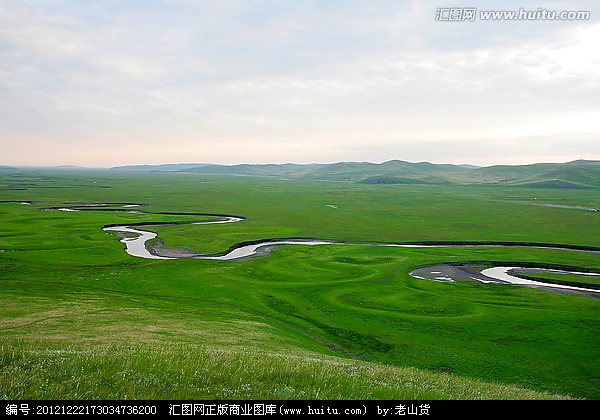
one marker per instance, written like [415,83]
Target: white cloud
[368,80]
[584,123]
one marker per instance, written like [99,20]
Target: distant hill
[283,170]
[576,174]
[168,167]
[400,171]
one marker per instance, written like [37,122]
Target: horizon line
[70,166]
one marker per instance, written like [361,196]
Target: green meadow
[82,319]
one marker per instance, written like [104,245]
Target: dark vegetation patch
[363,342]
[552,184]
[358,341]
[363,261]
[389,180]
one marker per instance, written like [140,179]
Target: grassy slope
[579,174]
[576,174]
[67,284]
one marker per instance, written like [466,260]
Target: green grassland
[82,319]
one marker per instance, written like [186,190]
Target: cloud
[364,78]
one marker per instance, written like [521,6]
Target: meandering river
[136,246]
[135,240]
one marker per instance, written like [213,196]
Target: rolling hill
[576,174]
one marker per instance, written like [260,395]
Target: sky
[108,83]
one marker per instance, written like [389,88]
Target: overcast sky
[105,83]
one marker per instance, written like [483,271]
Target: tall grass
[31,371]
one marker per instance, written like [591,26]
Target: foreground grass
[31,371]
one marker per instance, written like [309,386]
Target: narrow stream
[501,273]
[136,246]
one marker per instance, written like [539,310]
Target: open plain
[81,318]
